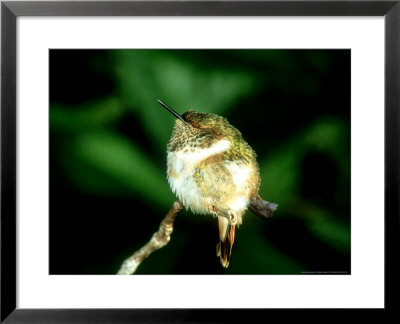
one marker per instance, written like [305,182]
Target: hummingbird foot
[230,216]
[232,219]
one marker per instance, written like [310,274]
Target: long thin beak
[173,112]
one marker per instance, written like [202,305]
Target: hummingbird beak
[173,112]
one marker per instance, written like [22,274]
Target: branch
[158,240]
[262,208]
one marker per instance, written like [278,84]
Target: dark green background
[108,136]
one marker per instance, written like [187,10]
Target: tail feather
[227,237]
[262,208]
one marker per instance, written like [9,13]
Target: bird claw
[232,219]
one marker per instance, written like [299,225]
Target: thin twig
[158,240]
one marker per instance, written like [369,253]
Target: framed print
[137,136]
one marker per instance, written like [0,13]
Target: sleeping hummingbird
[212,170]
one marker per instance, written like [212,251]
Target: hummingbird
[212,170]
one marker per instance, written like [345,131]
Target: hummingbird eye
[195,124]
[196,120]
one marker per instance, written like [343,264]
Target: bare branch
[158,240]
[262,208]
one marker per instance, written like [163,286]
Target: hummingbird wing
[261,207]
[227,237]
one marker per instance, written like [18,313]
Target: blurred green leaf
[122,161]
[329,135]
[103,111]
[279,171]
[279,179]
[324,224]
[333,232]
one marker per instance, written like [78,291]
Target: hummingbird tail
[227,237]
[262,208]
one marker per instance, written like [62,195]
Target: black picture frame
[11,10]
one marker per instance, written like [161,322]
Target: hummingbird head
[193,122]
[209,123]
[201,130]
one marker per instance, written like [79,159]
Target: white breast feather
[240,172]
[240,175]
[182,164]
